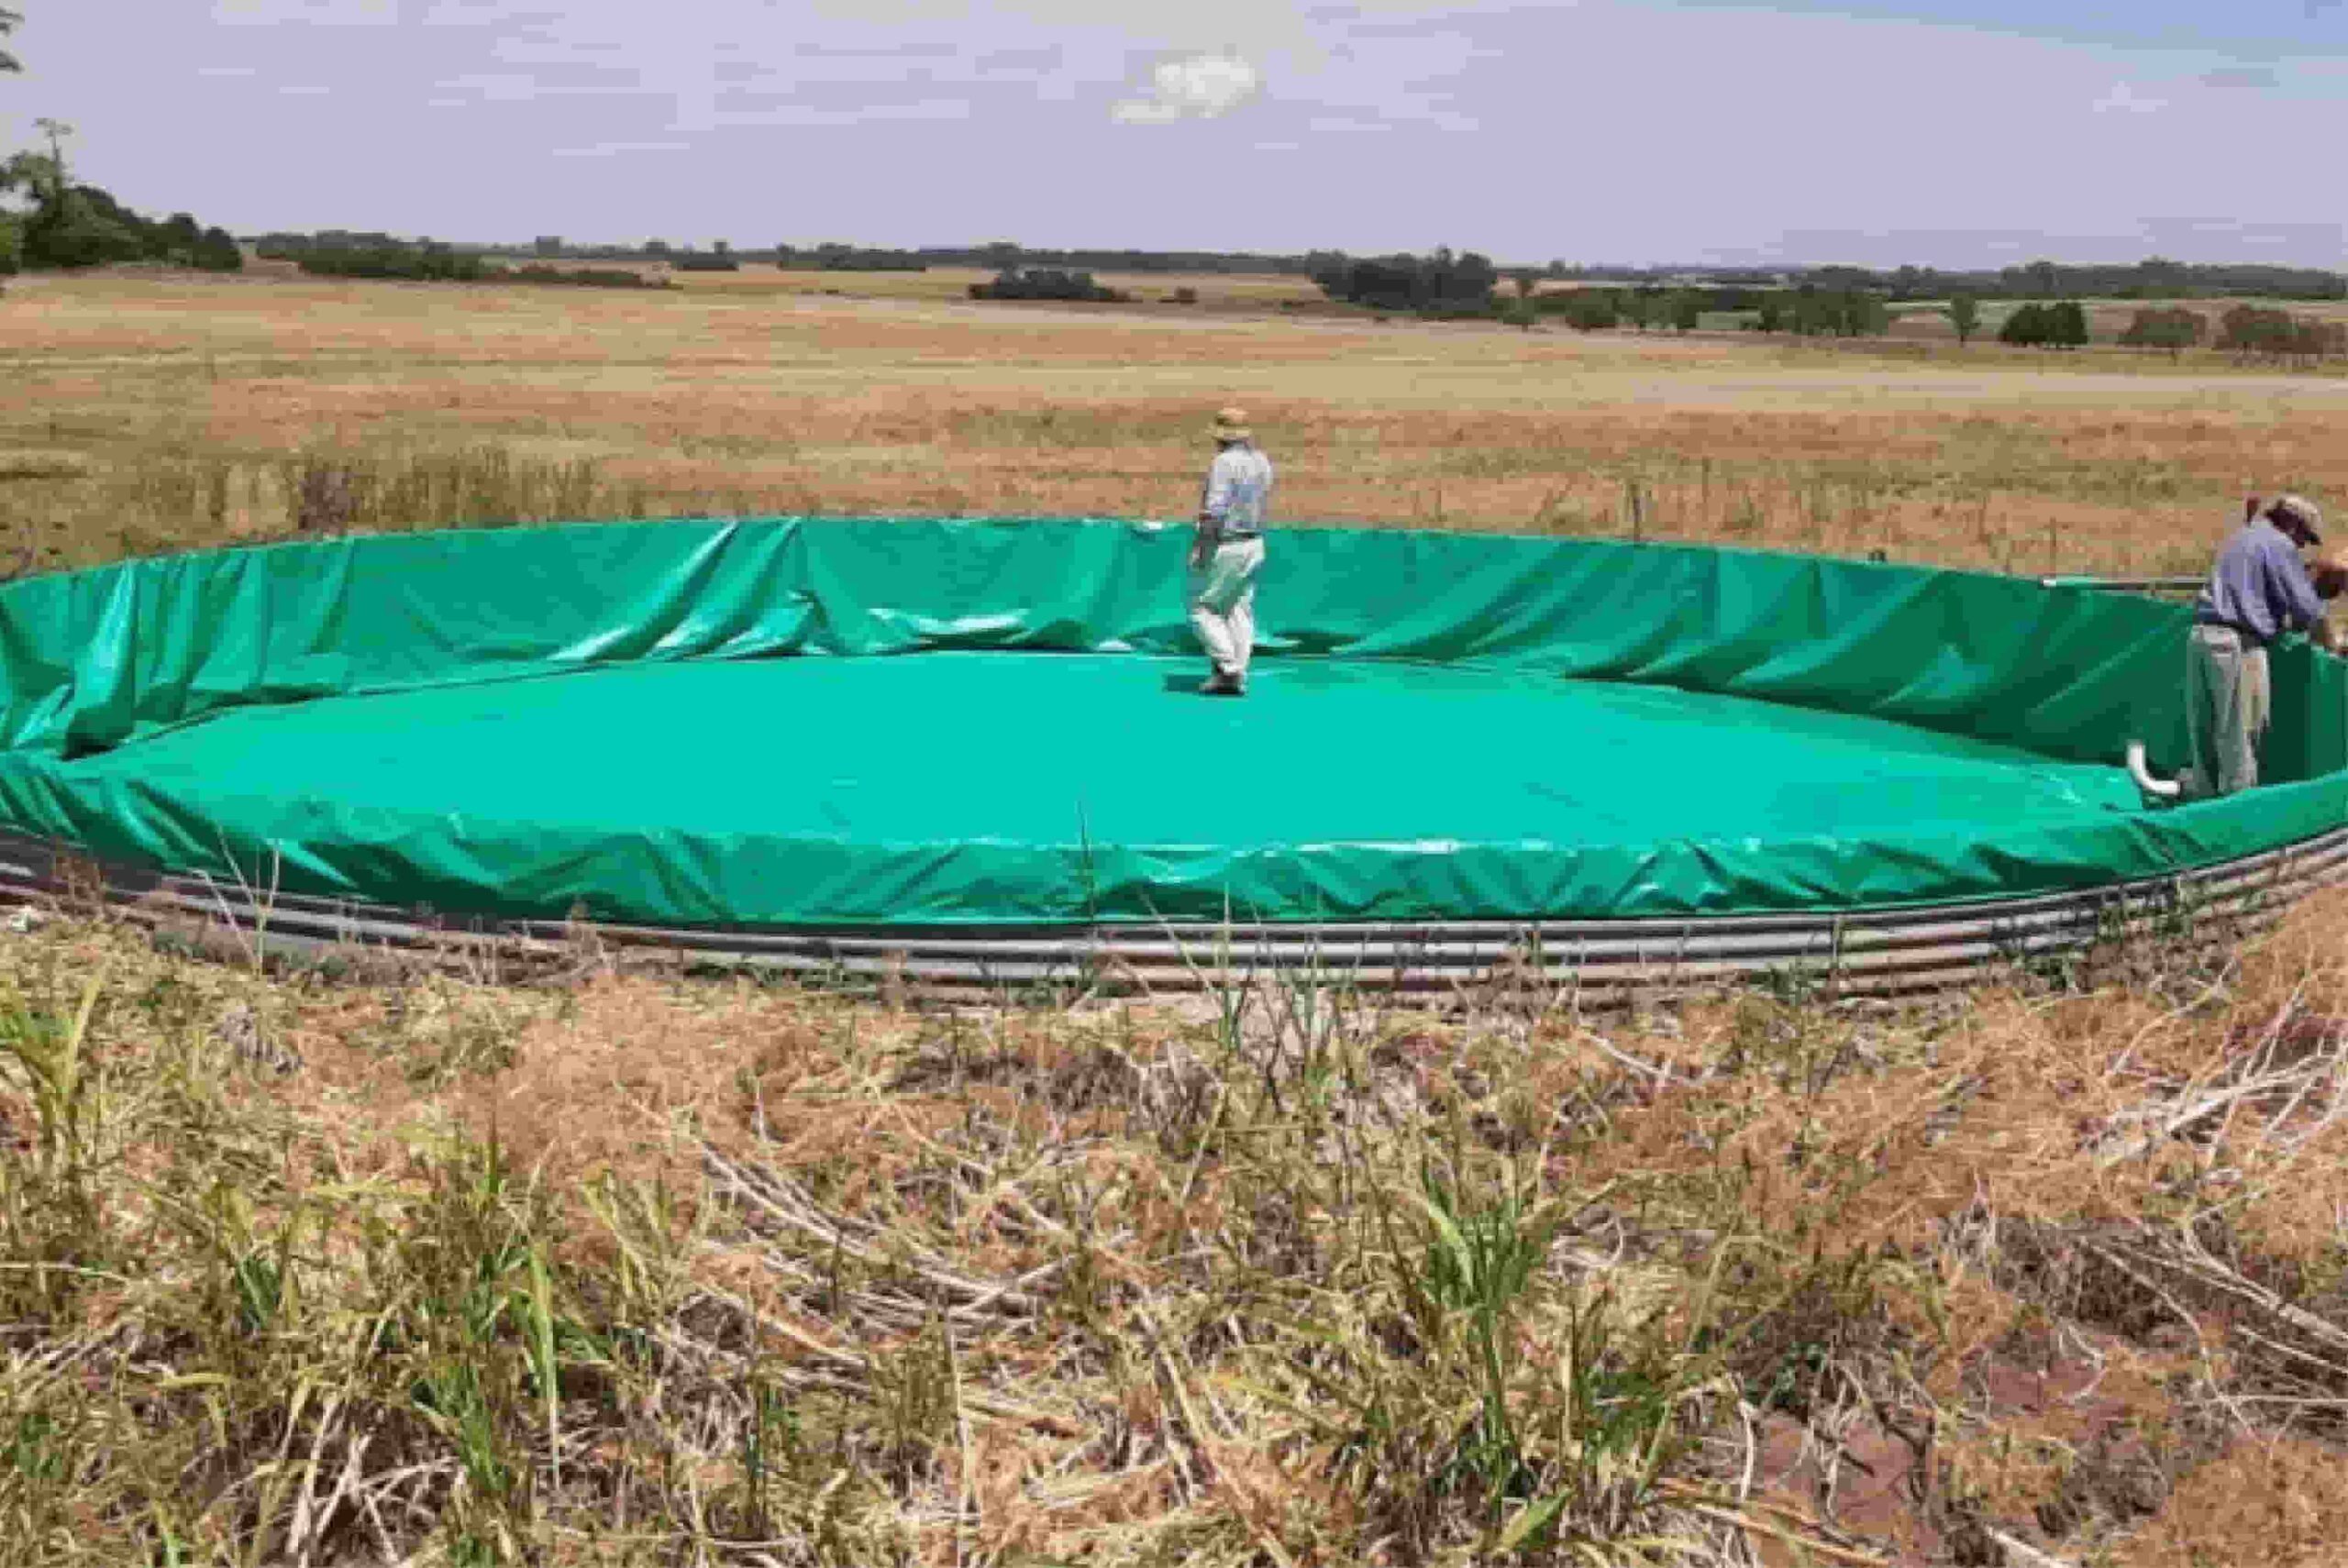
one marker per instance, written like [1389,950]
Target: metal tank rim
[1883,953]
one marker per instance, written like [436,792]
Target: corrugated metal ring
[1867,952]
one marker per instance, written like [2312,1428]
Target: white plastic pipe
[2158,789]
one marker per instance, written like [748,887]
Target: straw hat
[2300,510]
[1231,424]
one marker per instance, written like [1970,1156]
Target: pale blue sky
[1957,132]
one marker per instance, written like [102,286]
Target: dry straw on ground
[641,1270]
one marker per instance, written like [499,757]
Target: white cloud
[323,13]
[612,149]
[2124,99]
[1198,86]
[497,87]
[790,114]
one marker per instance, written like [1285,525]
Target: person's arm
[1213,506]
[2293,591]
[1216,503]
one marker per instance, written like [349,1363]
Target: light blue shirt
[1239,490]
[2259,586]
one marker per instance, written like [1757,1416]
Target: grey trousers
[2228,701]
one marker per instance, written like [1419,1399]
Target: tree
[177,237]
[57,131]
[2066,326]
[1812,311]
[9,22]
[2174,330]
[1589,310]
[2315,340]
[1861,313]
[217,251]
[77,229]
[31,173]
[2250,331]
[1044,284]
[2025,328]
[1442,283]
[1687,310]
[1965,316]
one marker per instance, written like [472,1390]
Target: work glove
[2331,574]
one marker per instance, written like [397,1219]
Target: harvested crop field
[187,412]
[364,1263]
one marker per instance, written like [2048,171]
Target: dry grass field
[140,413]
[622,1269]
[1216,291]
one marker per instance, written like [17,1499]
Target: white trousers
[1223,603]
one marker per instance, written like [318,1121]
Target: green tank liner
[906,730]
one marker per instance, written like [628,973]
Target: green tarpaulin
[798,722]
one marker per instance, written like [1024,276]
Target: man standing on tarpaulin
[2258,589]
[1229,553]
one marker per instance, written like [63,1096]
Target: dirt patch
[2281,1505]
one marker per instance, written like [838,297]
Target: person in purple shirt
[2258,589]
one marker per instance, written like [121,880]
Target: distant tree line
[1393,282]
[2157,278]
[1606,310]
[574,277]
[1046,283]
[1003,255]
[847,258]
[1804,311]
[2249,332]
[410,263]
[997,256]
[1442,283]
[70,224]
[1810,310]
[282,247]
[429,263]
